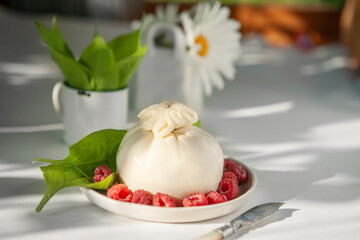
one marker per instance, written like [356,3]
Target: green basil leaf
[54,39]
[77,169]
[102,66]
[76,75]
[197,124]
[58,176]
[104,184]
[125,45]
[128,66]
[101,62]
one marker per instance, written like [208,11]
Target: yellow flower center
[203,44]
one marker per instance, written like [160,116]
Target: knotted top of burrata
[165,153]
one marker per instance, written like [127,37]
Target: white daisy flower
[167,14]
[213,45]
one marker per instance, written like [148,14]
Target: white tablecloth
[293,117]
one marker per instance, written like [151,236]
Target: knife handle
[213,235]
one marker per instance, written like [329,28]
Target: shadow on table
[277,217]
[305,143]
[70,216]
[67,211]
[319,172]
[327,177]
[17,187]
[299,135]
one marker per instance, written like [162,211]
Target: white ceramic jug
[159,77]
[84,112]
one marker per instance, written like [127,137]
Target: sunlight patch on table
[340,179]
[338,135]
[17,74]
[334,63]
[31,172]
[30,129]
[29,69]
[264,58]
[297,162]
[261,150]
[8,166]
[311,221]
[343,135]
[259,110]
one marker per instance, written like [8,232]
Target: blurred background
[278,20]
[282,23]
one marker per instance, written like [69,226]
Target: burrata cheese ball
[165,153]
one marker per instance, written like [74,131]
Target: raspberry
[100,173]
[229,188]
[239,172]
[227,163]
[120,192]
[195,199]
[214,197]
[142,197]
[230,175]
[163,200]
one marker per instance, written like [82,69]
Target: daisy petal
[205,80]
[215,10]
[221,38]
[216,79]
[160,12]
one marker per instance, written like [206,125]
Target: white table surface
[293,117]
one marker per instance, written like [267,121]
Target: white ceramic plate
[172,215]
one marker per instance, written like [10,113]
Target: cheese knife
[248,219]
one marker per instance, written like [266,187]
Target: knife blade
[249,218]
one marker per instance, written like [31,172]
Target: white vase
[84,112]
[159,76]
